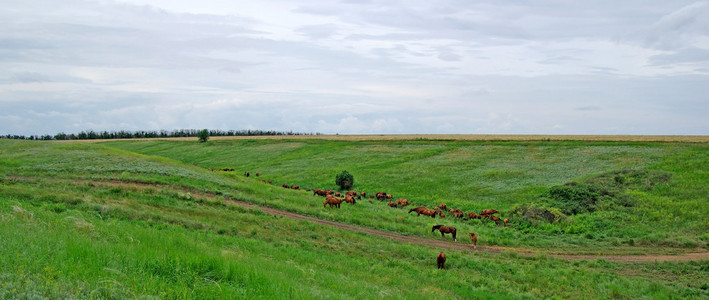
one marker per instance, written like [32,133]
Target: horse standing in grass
[474,238]
[445,229]
[441,260]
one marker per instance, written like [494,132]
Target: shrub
[344,180]
[535,213]
[203,135]
[574,198]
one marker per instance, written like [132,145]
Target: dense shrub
[535,213]
[344,180]
[574,198]
[606,192]
[203,135]
[608,188]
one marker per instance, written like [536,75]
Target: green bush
[574,198]
[344,180]
[203,135]
[534,213]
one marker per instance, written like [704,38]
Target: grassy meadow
[131,219]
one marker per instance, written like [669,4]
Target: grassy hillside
[96,221]
[669,209]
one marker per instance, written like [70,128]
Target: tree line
[123,134]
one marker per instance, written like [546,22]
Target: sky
[356,67]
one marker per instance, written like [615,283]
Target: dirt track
[463,246]
[431,242]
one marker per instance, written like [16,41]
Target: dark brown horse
[445,229]
[441,260]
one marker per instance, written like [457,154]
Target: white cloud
[355,67]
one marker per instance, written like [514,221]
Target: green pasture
[474,175]
[131,220]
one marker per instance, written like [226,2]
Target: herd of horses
[334,199]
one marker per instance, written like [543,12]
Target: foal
[475,240]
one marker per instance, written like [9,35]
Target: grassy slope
[66,231]
[473,175]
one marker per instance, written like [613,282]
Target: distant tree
[344,180]
[203,135]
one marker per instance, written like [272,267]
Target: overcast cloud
[356,67]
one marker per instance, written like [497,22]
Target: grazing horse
[474,238]
[442,206]
[472,215]
[494,218]
[350,200]
[489,211]
[319,192]
[441,260]
[505,221]
[381,196]
[445,229]
[401,202]
[332,201]
[295,187]
[418,209]
[427,212]
[457,213]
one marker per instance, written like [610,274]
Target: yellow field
[469,137]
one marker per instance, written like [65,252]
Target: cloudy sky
[356,67]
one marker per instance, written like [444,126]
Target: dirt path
[425,241]
[468,247]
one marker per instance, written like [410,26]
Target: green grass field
[127,219]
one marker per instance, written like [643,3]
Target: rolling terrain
[148,218]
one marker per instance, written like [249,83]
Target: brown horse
[319,192]
[474,238]
[418,209]
[428,212]
[472,215]
[350,200]
[332,201]
[441,260]
[488,211]
[505,221]
[445,229]
[401,202]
